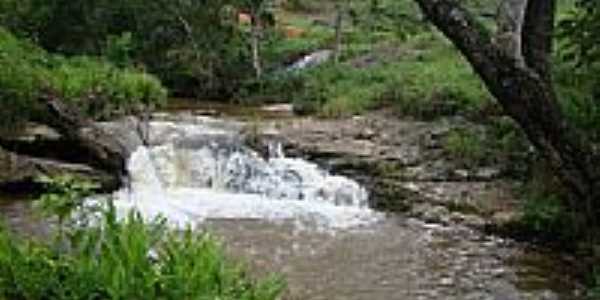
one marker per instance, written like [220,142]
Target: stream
[287,215]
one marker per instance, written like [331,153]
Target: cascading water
[202,170]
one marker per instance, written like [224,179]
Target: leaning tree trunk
[525,91]
[107,152]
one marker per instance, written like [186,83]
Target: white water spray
[196,172]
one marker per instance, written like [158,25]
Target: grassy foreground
[127,259]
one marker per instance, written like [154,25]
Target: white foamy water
[196,172]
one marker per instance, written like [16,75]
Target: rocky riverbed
[429,245]
[404,164]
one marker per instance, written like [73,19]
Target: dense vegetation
[195,47]
[127,259]
[97,88]
[91,254]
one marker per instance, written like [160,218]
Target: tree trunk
[509,23]
[536,36]
[525,91]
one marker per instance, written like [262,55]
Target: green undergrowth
[498,142]
[422,77]
[93,254]
[128,259]
[97,88]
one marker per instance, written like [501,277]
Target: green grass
[389,56]
[313,37]
[128,259]
[466,147]
[422,77]
[95,87]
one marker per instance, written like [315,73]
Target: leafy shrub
[578,65]
[580,33]
[543,213]
[96,88]
[194,47]
[63,196]
[127,259]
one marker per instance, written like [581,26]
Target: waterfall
[194,172]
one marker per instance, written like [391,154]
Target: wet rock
[487,173]
[403,163]
[25,169]
[130,131]
[503,218]
[281,108]
[447,281]
[365,134]
[504,291]
[33,132]
[548,295]
[431,214]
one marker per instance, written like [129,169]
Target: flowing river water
[289,216]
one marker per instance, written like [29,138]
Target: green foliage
[543,213]
[96,88]
[466,147]
[305,6]
[579,64]
[127,259]
[195,47]
[337,90]
[380,18]
[580,31]
[64,195]
[405,75]
[118,49]
[546,214]
[508,146]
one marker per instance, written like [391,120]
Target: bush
[194,47]
[95,87]
[545,207]
[126,260]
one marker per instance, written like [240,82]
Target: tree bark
[536,36]
[509,20]
[525,91]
